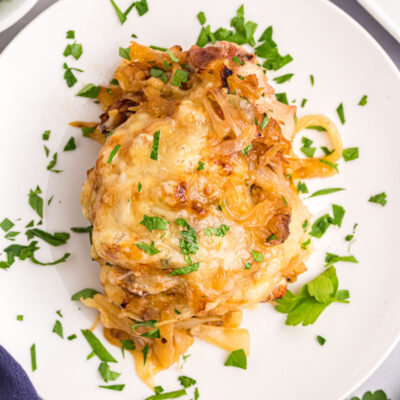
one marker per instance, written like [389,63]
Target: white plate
[13,10]
[387,12]
[285,362]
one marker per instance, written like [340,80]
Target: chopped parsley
[70,144]
[70,35]
[201,166]
[318,128]
[350,154]
[35,201]
[86,130]
[46,135]
[84,294]
[33,357]
[303,103]
[247,149]
[306,149]
[321,225]
[159,73]
[46,150]
[221,231]
[186,381]
[334,166]
[179,77]
[326,191]
[145,352]
[142,7]
[312,299]
[139,188]
[12,235]
[58,239]
[379,199]
[148,249]
[283,78]
[58,329]
[201,17]
[118,388]
[97,347]
[247,265]
[156,223]
[326,150]
[243,31]
[257,256]
[52,162]
[305,244]
[154,148]
[125,53]
[269,51]
[106,372]
[188,243]
[127,345]
[185,270]
[69,76]
[237,359]
[75,50]
[321,340]
[271,237]
[158,48]
[264,122]
[151,323]
[302,187]
[91,91]
[378,395]
[172,56]
[334,258]
[20,317]
[113,153]
[363,101]
[6,224]
[312,80]
[167,395]
[282,97]
[340,112]
[72,337]
[59,313]
[122,16]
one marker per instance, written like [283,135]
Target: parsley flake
[326,191]
[113,153]
[379,199]
[350,154]
[340,112]
[257,256]
[148,249]
[58,329]
[156,223]
[201,17]
[363,101]
[71,145]
[283,78]
[237,359]
[91,91]
[155,146]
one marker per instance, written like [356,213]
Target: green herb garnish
[321,340]
[69,76]
[91,91]
[179,77]
[155,146]
[148,249]
[201,17]
[106,372]
[156,223]
[326,191]
[185,270]
[35,201]
[247,149]
[283,78]
[118,388]
[334,258]
[74,50]
[257,256]
[363,101]
[6,224]
[97,346]
[350,154]
[379,199]
[313,299]
[237,359]
[33,357]
[58,329]
[221,231]
[302,187]
[84,294]
[340,112]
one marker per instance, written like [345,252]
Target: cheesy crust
[223,160]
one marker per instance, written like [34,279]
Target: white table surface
[387,376]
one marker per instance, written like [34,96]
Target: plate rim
[17,14]
[335,8]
